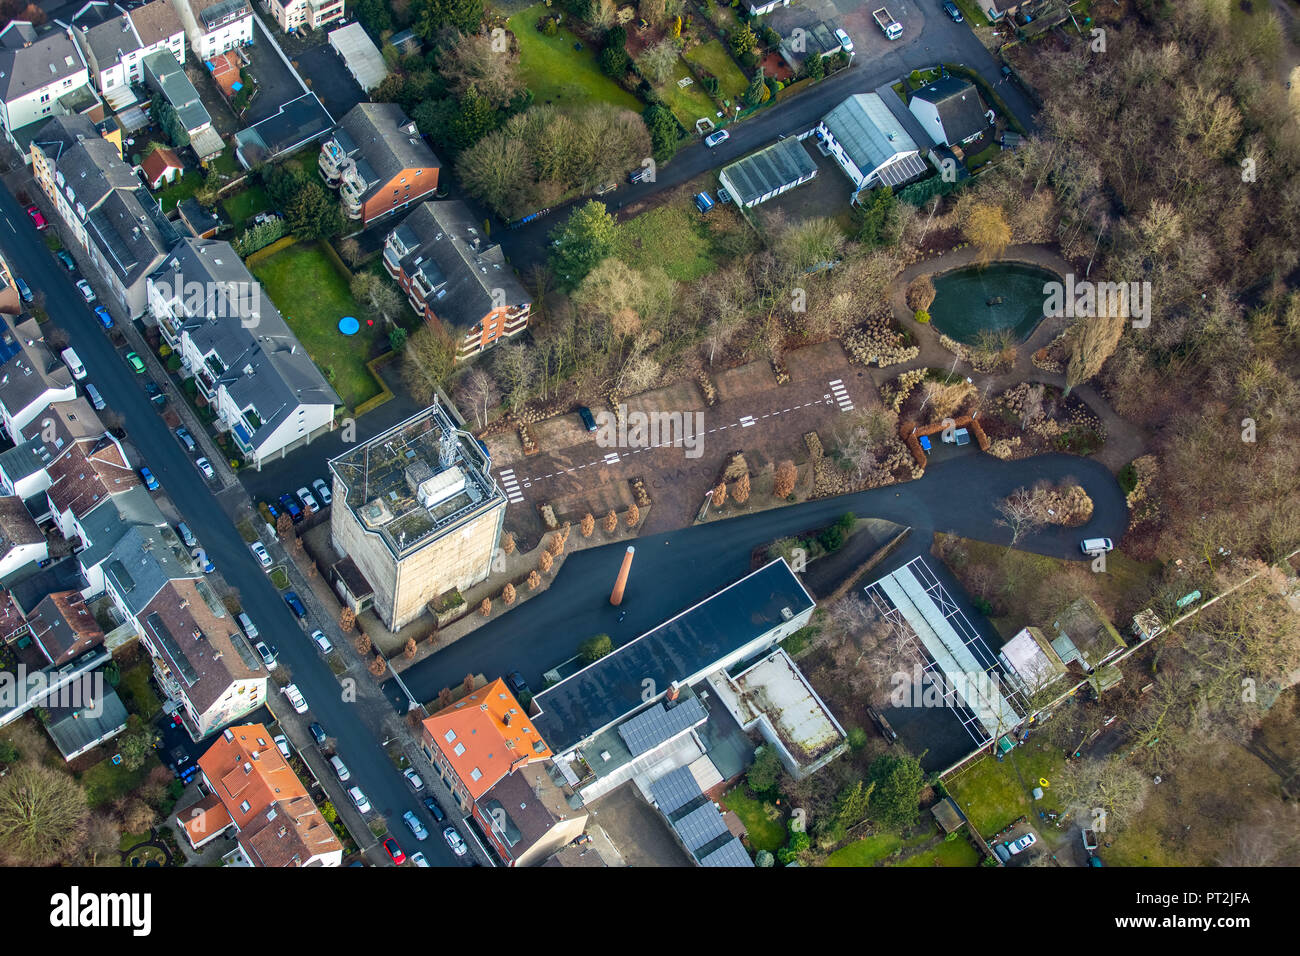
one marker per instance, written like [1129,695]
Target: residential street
[929,38]
[209,517]
[673,571]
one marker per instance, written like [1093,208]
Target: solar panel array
[731,853]
[648,730]
[675,790]
[700,827]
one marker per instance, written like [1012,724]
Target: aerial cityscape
[675,433]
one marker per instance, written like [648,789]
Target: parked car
[322,641]
[435,810]
[291,507]
[394,851]
[265,653]
[96,399]
[953,13]
[1024,843]
[24,290]
[282,742]
[1001,852]
[137,363]
[186,438]
[846,44]
[588,419]
[1096,545]
[318,734]
[259,552]
[38,220]
[104,316]
[413,779]
[74,364]
[246,625]
[308,502]
[205,466]
[518,686]
[359,799]
[415,826]
[323,492]
[150,481]
[340,768]
[295,604]
[717,139]
[68,262]
[454,841]
[295,697]
[418,859]
[156,394]
[87,292]
[187,535]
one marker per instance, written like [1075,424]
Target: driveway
[353,726]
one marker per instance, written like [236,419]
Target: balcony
[392,260]
[333,162]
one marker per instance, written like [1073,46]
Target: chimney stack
[616,598]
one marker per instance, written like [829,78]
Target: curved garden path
[1124,440]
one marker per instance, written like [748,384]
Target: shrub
[922,316]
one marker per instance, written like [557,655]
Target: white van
[1096,545]
[340,768]
[74,364]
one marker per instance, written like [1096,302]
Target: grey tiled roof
[31,368]
[385,139]
[109,521]
[959,105]
[266,367]
[49,59]
[447,246]
[144,560]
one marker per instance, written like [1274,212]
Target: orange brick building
[455,279]
[378,161]
[254,790]
[488,753]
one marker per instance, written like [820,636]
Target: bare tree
[1021,513]
[479,391]
[43,814]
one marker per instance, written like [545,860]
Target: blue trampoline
[348,325]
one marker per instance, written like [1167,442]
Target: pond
[1002,295]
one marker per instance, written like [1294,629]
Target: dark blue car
[295,603]
[291,508]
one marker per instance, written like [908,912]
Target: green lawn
[244,205]
[866,852]
[312,295]
[104,782]
[673,237]
[182,188]
[556,72]
[688,103]
[715,58]
[972,12]
[992,793]
[766,829]
[137,693]
[958,852]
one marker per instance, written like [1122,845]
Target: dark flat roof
[610,689]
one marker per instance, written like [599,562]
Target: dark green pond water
[1002,295]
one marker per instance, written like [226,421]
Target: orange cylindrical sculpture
[616,598]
